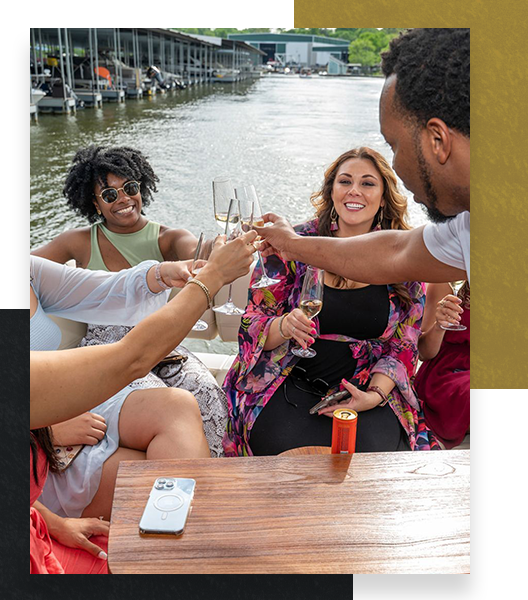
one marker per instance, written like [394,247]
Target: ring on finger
[293,330]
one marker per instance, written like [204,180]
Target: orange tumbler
[344,431]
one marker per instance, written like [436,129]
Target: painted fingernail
[312,340]
[102,555]
[344,381]
[313,332]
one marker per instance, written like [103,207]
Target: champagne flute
[310,302]
[456,286]
[223,192]
[245,210]
[249,193]
[201,255]
[232,230]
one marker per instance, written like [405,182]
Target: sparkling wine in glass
[311,302]
[245,210]
[232,230]
[223,192]
[456,286]
[249,194]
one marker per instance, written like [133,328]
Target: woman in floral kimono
[365,335]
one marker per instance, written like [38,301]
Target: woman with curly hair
[110,187]
[365,335]
[96,188]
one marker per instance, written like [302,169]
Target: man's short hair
[432,75]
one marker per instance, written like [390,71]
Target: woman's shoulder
[70,244]
[74,239]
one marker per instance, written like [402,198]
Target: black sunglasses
[110,194]
[320,386]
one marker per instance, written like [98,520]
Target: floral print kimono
[256,374]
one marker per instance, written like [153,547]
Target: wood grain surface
[405,512]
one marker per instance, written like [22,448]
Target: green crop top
[135,247]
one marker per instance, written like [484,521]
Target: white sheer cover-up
[120,299]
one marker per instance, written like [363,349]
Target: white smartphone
[168,506]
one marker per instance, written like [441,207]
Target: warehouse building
[296,49]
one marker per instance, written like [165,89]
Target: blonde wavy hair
[394,209]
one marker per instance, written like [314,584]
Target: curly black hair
[432,69]
[93,164]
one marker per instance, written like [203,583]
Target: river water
[279,133]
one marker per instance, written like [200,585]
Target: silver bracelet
[285,337]
[159,278]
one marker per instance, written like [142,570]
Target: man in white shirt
[449,242]
[424,117]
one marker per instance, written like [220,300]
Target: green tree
[367,48]
[224,32]
[363,51]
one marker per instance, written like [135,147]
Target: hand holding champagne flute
[249,194]
[450,305]
[310,302]
[232,231]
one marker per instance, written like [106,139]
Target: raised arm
[379,258]
[69,382]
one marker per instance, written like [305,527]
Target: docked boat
[55,96]
[221,74]
[305,73]
[36,95]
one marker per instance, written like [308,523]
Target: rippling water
[279,133]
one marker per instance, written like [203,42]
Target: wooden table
[405,512]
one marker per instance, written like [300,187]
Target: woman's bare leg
[163,423]
[101,504]
[153,423]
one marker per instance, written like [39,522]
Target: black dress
[285,421]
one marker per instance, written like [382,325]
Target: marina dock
[82,68]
